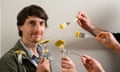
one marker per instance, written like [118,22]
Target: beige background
[0,29]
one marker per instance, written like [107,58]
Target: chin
[36,41]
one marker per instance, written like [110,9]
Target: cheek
[27,31]
[43,29]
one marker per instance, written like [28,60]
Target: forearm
[117,48]
[95,30]
[101,70]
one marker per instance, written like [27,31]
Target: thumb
[42,60]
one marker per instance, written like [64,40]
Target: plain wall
[0,29]
[103,13]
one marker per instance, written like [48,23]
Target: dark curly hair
[32,10]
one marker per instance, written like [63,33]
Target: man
[27,55]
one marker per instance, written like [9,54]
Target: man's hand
[67,65]
[43,66]
[91,64]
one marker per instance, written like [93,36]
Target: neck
[31,46]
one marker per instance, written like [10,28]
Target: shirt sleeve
[117,36]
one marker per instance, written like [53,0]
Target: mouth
[36,34]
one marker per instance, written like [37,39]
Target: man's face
[33,29]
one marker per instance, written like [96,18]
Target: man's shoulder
[11,54]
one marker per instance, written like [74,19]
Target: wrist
[117,48]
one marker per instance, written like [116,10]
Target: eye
[42,23]
[32,22]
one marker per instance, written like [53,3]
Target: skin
[67,65]
[108,40]
[32,30]
[43,65]
[102,36]
[91,64]
[84,22]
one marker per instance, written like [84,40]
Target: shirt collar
[31,54]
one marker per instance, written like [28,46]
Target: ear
[20,28]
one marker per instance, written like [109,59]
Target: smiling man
[26,55]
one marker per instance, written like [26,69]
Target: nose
[38,27]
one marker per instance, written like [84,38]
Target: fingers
[87,61]
[103,34]
[84,22]
[65,58]
[81,15]
[41,61]
[44,61]
[64,70]
[67,63]
[90,63]
[43,65]
[64,62]
[103,37]
[88,57]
